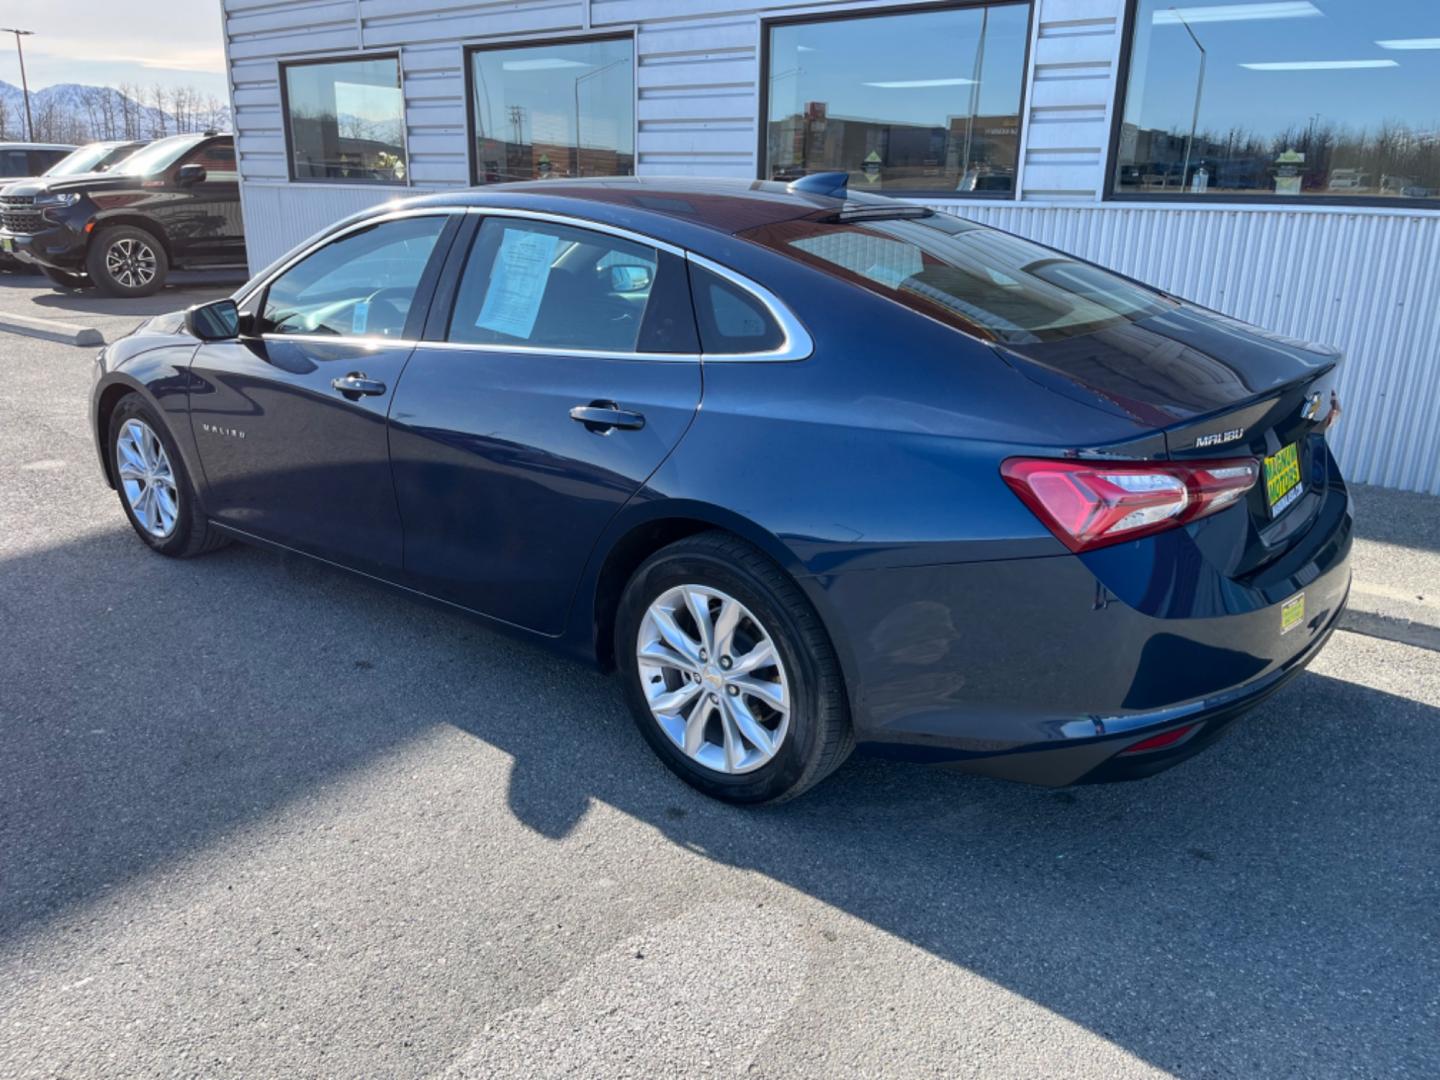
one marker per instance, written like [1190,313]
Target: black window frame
[341,58]
[762,120]
[627,34]
[1271,202]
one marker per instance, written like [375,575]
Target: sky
[1399,85]
[109,42]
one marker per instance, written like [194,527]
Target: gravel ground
[258,818]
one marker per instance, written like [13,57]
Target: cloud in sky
[175,42]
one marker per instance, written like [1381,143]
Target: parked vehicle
[22,160]
[951,494]
[173,205]
[19,160]
[95,157]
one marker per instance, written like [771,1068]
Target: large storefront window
[565,109]
[1283,100]
[924,102]
[346,120]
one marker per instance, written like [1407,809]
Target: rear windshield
[974,278]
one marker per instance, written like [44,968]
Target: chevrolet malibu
[809,468]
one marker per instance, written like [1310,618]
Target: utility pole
[24,86]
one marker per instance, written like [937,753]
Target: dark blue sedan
[810,468]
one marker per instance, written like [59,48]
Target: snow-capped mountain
[75,112]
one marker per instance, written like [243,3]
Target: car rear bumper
[1035,670]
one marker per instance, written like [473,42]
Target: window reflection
[909,103]
[1283,98]
[543,111]
[347,120]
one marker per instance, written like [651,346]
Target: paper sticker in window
[517,283]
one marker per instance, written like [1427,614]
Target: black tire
[819,737]
[63,280]
[145,251]
[192,533]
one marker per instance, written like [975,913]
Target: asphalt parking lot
[259,818]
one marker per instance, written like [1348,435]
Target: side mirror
[216,321]
[629,278]
[190,174]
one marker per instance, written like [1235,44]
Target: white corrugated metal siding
[1367,281]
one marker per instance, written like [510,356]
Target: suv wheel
[127,261]
[729,672]
[62,280]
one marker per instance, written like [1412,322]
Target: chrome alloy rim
[713,679]
[131,262]
[147,478]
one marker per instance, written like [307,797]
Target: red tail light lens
[1089,504]
[1160,742]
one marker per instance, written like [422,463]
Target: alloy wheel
[147,478]
[713,679]
[131,262]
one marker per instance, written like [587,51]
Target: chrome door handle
[357,385]
[604,416]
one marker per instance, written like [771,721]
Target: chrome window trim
[369,341]
[375,342]
[577,223]
[321,241]
[547,350]
[797,345]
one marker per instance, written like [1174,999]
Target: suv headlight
[59,198]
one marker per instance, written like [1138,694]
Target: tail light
[1089,504]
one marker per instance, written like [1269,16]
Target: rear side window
[361,285]
[41,160]
[731,319]
[540,285]
[218,158]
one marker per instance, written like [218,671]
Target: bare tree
[158,119]
[131,110]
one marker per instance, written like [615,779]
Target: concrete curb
[1406,631]
[51,329]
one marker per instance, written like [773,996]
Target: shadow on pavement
[1277,892]
[34,296]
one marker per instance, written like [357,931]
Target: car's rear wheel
[155,490]
[729,672]
[127,261]
[63,280]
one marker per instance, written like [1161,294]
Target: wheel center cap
[712,679]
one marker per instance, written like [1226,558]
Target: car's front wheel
[127,261]
[729,672]
[155,490]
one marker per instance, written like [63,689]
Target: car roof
[36,146]
[661,206]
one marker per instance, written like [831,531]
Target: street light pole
[24,86]
[1199,89]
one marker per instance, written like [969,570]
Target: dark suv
[174,204]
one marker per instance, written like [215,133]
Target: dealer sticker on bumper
[1292,613]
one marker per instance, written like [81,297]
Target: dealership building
[1277,160]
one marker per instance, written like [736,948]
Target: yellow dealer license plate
[1282,480]
[6,243]
[1292,613]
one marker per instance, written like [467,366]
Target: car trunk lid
[1215,388]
